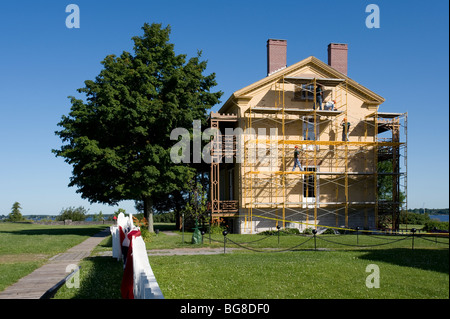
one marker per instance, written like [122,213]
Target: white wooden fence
[145,285]
[116,249]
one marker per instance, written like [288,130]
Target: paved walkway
[34,285]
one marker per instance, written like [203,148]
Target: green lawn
[25,247]
[304,274]
[336,270]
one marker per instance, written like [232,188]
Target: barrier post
[182,232]
[278,227]
[224,233]
[314,231]
[357,236]
[413,231]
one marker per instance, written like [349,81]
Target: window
[308,129]
[304,92]
[308,186]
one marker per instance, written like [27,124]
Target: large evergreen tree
[15,215]
[118,140]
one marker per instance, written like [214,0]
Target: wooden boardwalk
[36,284]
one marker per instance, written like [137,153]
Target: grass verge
[100,277]
[25,247]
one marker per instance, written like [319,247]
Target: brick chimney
[337,56]
[276,55]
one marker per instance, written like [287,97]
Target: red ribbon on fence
[126,288]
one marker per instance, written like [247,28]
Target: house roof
[329,74]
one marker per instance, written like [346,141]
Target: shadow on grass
[425,259]
[101,277]
[60,231]
[107,243]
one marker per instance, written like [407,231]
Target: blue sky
[42,62]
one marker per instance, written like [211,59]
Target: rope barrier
[340,228]
[323,238]
[218,241]
[375,245]
[256,240]
[431,240]
[270,251]
[387,237]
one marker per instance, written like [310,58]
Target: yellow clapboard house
[340,132]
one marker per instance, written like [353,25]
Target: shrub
[146,235]
[218,226]
[72,213]
[430,225]
[268,232]
[385,221]
[164,217]
[283,232]
[294,231]
[329,231]
[414,218]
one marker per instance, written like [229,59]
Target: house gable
[312,67]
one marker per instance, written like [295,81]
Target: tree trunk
[178,198]
[148,212]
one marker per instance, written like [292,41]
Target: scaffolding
[221,147]
[341,175]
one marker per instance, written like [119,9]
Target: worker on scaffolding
[319,97]
[330,105]
[296,160]
[345,129]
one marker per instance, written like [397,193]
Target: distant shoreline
[442,217]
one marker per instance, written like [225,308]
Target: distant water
[442,218]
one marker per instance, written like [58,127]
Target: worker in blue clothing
[296,160]
[319,97]
[345,129]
